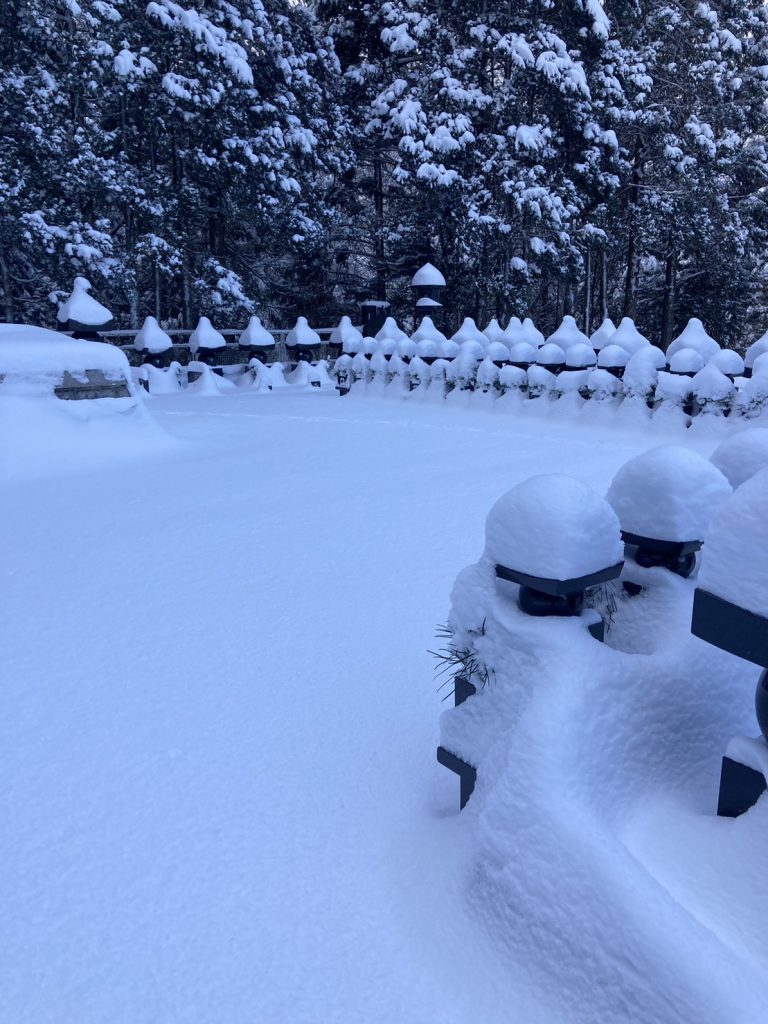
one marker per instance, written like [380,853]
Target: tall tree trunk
[668,302]
[5,283]
[588,295]
[378,243]
[603,285]
[630,291]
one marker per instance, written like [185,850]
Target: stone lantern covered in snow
[665,499]
[554,538]
[730,611]
[428,284]
[82,314]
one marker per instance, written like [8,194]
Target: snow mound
[428,332]
[604,332]
[668,493]
[449,349]
[494,331]
[757,348]
[497,352]
[742,456]
[428,276]
[580,356]
[208,383]
[301,335]
[735,563]
[760,365]
[694,336]
[710,385]
[427,348]
[514,333]
[162,382]
[151,337]
[568,334]
[531,333]
[390,329]
[686,360]
[727,361]
[469,332]
[256,335]
[82,308]
[205,335]
[642,371]
[28,350]
[550,354]
[628,337]
[405,347]
[612,357]
[554,527]
[523,352]
[471,351]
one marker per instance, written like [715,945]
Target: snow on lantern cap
[554,535]
[665,499]
[80,311]
[742,456]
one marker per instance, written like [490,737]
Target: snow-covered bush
[741,456]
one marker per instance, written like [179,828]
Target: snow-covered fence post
[664,500]
[81,314]
[256,342]
[730,611]
[154,344]
[206,344]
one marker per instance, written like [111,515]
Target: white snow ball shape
[532,333]
[642,371]
[428,276]
[694,336]
[512,377]
[710,385]
[760,365]
[550,355]
[449,349]
[756,349]
[686,360]
[727,361]
[391,330]
[553,527]
[428,332]
[497,352]
[427,348]
[344,331]
[256,335]
[205,335]
[82,308]
[611,357]
[387,346]
[601,382]
[469,332]
[522,352]
[301,335]
[628,337]
[515,332]
[742,455]
[471,351]
[494,331]
[151,337]
[668,493]
[370,346]
[600,337]
[580,356]
[405,348]
[735,562]
[567,334]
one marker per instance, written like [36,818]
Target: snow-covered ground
[218,785]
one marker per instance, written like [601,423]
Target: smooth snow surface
[205,335]
[741,456]
[601,336]
[220,800]
[694,336]
[256,335]
[82,308]
[668,493]
[428,275]
[735,564]
[152,338]
[555,527]
[34,352]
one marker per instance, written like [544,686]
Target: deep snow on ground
[217,775]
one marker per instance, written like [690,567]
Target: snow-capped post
[256,341]
[302,344]
[154,344]
[554,538]
[664,500]
[206,344]
[730,611]
[82,315]
[428,284]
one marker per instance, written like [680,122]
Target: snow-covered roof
[428,276]
[427,303]
[35,351]
[82,308]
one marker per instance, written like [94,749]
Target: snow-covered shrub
[741,456]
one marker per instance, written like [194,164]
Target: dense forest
[224,157]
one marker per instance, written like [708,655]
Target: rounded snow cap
[742,455]
[532,333]
[550,354]
[427,348]
[345,330]
[494,331]
[756,349]
[668,493]
[612,356]
[205,335]
[628,337]
[391,330]
[449,349]
[568,334]
[428,332]
[514,332]
[301,335]
[405,348]
[710,385]
[497,352]
[686,360]
[727,361]
[694,336]
[256,336]
[642,371]
[553,527]
[469,332]
[600,337]
[760,365]
[82,308]
[387,346]
[428,276]
[351,344]
[151,337]
[471,350]
[734,565]
[523,352]
[580,356]
[370,346]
